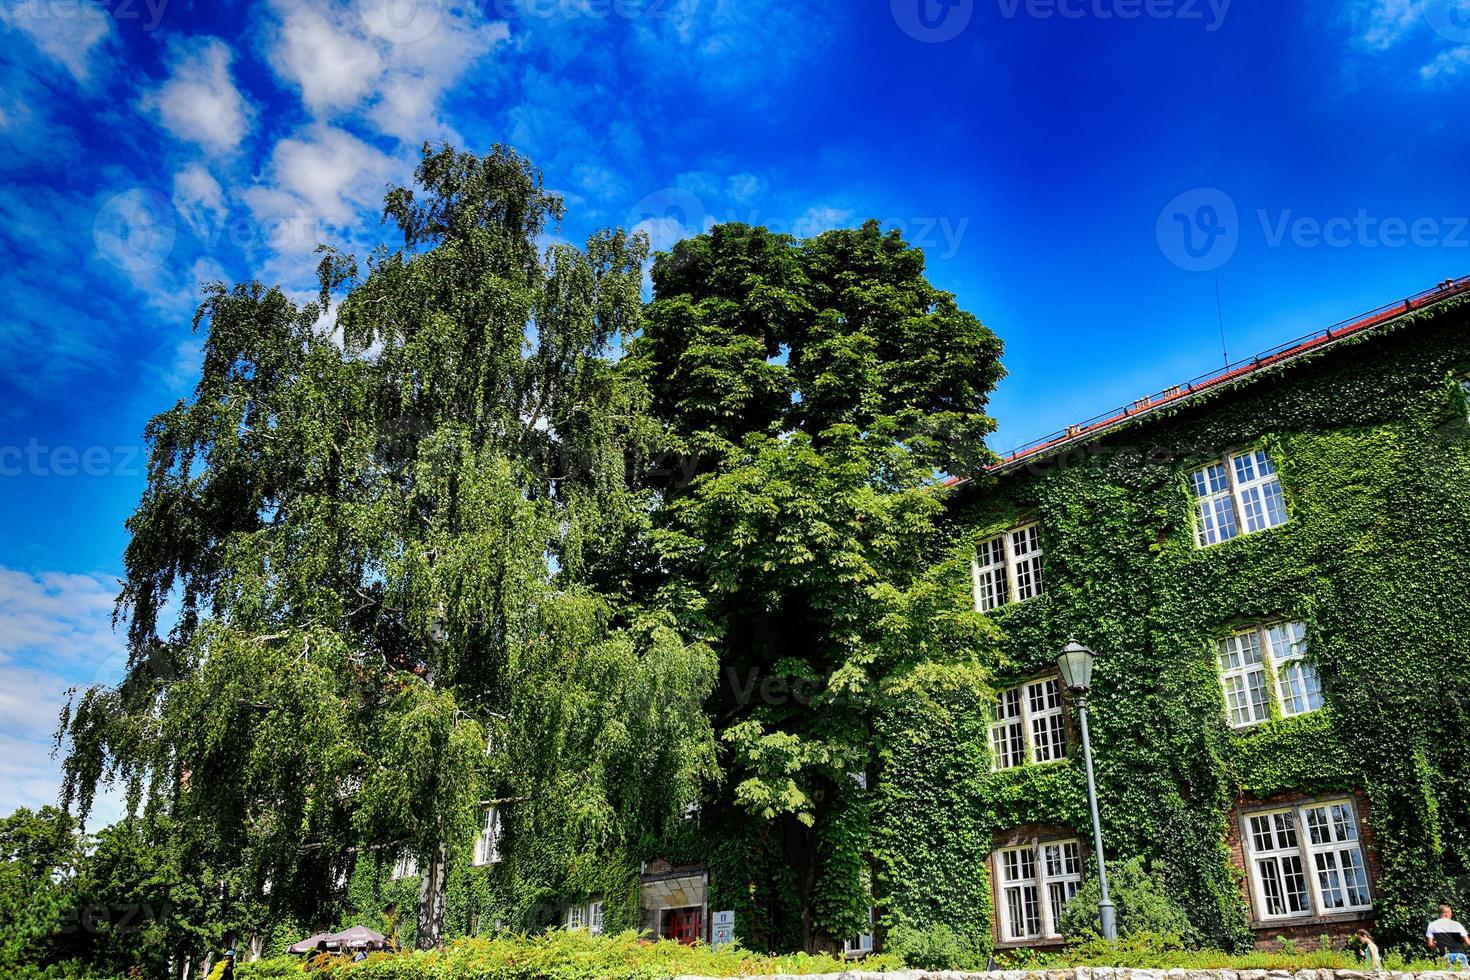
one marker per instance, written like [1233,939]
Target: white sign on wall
[724,929]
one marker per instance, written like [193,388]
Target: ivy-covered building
[1271,566]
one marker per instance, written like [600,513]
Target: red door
[682,925]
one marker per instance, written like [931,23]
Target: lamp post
[1075,664]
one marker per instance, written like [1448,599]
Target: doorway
[683,925]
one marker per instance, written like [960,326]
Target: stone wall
[1119,973]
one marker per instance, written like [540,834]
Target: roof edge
[1180,395]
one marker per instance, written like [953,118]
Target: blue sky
[1084,174]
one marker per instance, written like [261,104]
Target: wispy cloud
[1381,24]
[63,618]
[1410,28]
[1446,65]
[72,35]
[55,634]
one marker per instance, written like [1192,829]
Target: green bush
[937,947]
[561,955]
[1142,901]
[1149,951]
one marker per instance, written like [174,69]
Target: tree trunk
[433,890]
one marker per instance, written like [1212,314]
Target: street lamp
[1075,663]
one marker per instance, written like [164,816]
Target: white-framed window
[1007,568]
[862,945]
[1306,860]
[1250,659]
[1237,495]
[1465,391]
[487,845]
[1030,724]
[1034,882]
[405,867]
[588,916]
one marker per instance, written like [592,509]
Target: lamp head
[1075,664]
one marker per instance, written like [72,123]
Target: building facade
[1271,568]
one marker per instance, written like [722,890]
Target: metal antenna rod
[1220,312]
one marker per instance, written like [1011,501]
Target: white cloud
[200,103]
[357,58]
[333,66]
[1446,64]
[819,218]
[67,33]
[323,173]
[744,187]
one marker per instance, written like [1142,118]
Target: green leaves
[399,551]
[820,385]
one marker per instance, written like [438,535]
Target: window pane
[1259,489]
[1260,699]
[1343,827]
[1261,833]
[989,572]
[1210,480]
[1354,877]
[1330,881]
[1285,823]
[1007,735]
[1059,893]
[1242,663]
[1026,552]
[1295,883]
[1215,520]
[1272,892]
[1250,648]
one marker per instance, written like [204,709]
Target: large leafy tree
[818,388]
[381,571]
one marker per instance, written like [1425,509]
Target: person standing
[1448,937]
[1372,958]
